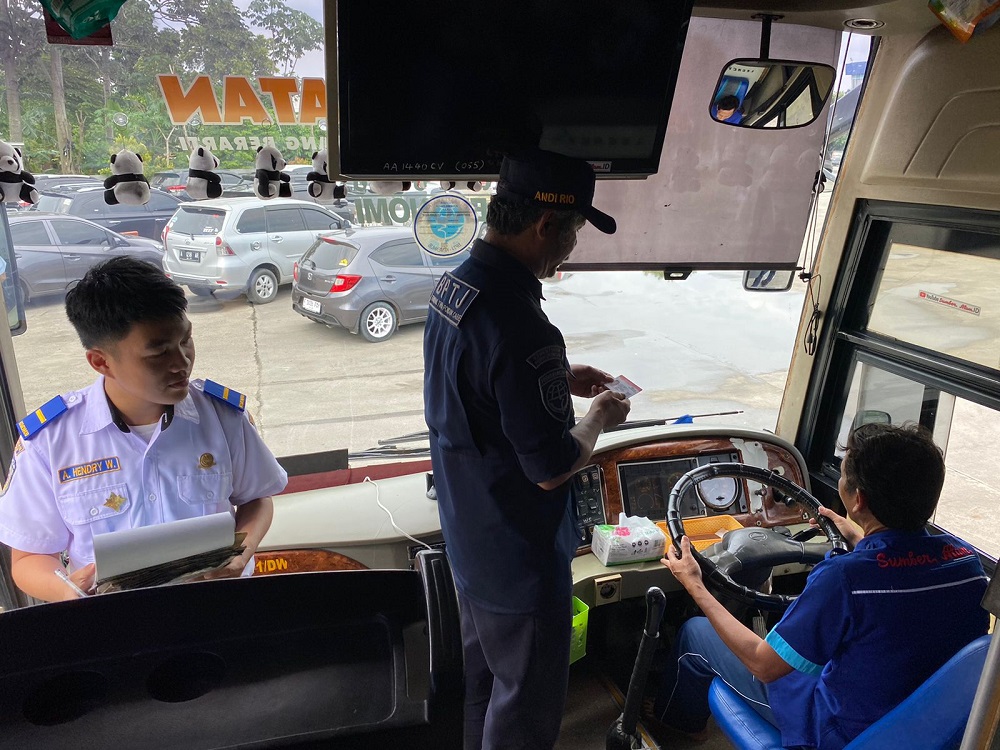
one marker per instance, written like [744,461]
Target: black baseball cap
[553,181]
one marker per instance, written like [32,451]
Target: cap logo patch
[564,198]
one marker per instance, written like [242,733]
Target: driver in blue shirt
[864,633]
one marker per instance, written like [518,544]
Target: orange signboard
[292,101]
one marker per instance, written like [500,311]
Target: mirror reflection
[768,280]
[771,93]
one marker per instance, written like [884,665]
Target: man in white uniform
[141,446]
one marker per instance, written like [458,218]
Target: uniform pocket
[205,488]
[94,505]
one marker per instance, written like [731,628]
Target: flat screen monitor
[445,88]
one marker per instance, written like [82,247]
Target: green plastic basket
[578,639]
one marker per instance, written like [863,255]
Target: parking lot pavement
[314,388]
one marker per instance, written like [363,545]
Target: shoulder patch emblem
[546,354]
[452,298]
[221,392]
[554,388]
[40,417]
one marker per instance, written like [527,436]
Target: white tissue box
[634,539]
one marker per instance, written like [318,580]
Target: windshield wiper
[667,420]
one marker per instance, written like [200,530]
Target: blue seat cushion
[933,717]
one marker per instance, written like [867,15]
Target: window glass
[451,261]
[54,204]
[942,299]
[319,220]
[79,233]
[160,202]
[403,254]
[26,233]
[251,221]
[329,255]
[971,492]
[284,220]
[192,220]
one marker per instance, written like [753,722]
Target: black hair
[509,216]
[727,102]
[899,470]
[118,293]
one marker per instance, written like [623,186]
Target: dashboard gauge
[718,493]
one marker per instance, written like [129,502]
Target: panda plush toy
[16,184]
[269,181]
[202,182]
[321,187]
[126,184]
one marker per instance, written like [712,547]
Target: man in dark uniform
[504,441]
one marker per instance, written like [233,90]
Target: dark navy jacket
[499,410]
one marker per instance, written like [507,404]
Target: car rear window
[56,204]
[190,220]
[330,255]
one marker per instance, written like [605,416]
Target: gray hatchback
[368,282]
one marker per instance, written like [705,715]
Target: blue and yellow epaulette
[221,392]
[46,413]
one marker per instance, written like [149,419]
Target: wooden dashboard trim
[778,458]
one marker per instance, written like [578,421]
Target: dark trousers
[516,673]
[699,656]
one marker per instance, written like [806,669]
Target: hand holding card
[624,386]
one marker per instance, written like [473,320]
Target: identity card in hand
[624,386]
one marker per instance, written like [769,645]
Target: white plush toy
[269,181]
[16,184]
[126,184]
[202,182]
[321,187]
[388,187]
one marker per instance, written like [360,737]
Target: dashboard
[634,475]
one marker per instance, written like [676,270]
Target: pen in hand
[66,579]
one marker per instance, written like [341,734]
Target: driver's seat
[933,717]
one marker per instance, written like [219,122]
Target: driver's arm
[755,653]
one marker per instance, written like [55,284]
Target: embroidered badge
[10,475]
[207,461]
[546,354]
[452,298]
[554,389]
[90,469]
[115,502]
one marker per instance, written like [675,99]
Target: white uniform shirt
[82,475]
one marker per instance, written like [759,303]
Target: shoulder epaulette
[40,417]
[221,392]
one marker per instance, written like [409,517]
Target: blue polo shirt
[499,411]
[869,628]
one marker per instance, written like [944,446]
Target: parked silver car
[54,251]
[368,282]
[243,244]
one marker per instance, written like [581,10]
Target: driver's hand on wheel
[683,566]
[851,531]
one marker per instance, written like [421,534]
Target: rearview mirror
[768,280]
[771,93]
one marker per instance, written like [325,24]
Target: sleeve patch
[42,416]
[221,392]
[792,657]
[546,354]
[452,298]
[554,389]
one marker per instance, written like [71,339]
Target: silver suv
[244,244]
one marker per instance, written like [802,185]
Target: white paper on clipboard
[134,549]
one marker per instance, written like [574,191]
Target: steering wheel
[752,551]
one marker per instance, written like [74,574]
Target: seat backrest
[935,714]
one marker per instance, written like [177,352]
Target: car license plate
[192,255]
[311,305]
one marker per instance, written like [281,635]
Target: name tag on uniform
[452,298]
[89,469]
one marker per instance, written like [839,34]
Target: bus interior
[351,616]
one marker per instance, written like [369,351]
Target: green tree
[293,32]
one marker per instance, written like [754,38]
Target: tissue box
[634,539]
